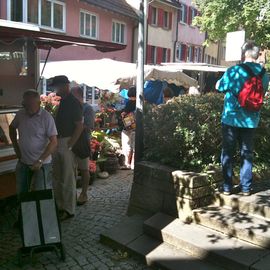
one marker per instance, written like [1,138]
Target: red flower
[92,166]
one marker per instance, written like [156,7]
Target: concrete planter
[158,188]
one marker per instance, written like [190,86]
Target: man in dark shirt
[69,126]
[88,122]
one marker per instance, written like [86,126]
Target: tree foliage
[218,17]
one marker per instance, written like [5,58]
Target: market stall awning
[100,73]
[162,73]
[196,67]
[108,74]
[10,31]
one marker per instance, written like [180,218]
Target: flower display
[95,145]
[92,166]
[50,103]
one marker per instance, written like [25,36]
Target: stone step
[256,204]
[207,244]
[128,235]
[250,228]
[158,253]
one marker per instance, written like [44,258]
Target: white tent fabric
[168,74]
[107,73]
[100,73]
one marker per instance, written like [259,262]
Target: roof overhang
[10,31]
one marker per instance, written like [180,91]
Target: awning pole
[139,85]
[47,57]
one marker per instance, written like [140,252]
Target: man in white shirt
[36,142]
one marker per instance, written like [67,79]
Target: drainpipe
[176,39]
[139,134]
[132,45]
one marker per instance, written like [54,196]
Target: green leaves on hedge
[186,132]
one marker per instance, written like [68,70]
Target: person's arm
[51,147]
[76,134]
[89,119]
[13,137]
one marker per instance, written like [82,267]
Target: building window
[88,24]
[190,54]
[181,52]
[153,55]
[166,19]
[154,19]
[118,32]
[192,15]
[183,13]
[45,13]
[196,55]
[223,52]
[16,10]
[164,55]
[199,52]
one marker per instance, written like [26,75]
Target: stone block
[193,193]
[142,173]
[146,198]
[182,207]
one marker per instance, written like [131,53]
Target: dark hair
[79,90]
[132,91]
[31,93]
[167,92]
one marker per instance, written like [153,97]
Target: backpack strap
[250,72]
[262,72]
[247,69]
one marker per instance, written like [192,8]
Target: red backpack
[252,94]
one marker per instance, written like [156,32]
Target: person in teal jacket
[239,124]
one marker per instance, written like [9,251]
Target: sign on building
[234,43]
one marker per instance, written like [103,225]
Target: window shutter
[149,54]
[160,17]
[186,13]
[150,11]
[189,15]
[159,55]
[169,55]
[170,20]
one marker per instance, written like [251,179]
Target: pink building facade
[189,45]
[107,20]
[161,31]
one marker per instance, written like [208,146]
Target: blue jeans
[245,137]
[27,180]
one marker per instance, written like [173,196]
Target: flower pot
[111,165]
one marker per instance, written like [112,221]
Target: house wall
[105,19]
[211,53]
[189,37]
[160,37]
[190,34]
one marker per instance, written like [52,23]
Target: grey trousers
[64,180]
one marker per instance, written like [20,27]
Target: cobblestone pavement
[108,203]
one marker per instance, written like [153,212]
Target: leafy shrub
[185,133]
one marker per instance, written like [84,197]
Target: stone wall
[158,188]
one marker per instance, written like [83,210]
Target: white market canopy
[204,67]
[162,73]
[107,73]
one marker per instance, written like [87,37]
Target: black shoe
[65,215]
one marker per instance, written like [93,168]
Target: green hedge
[186,132]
